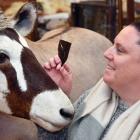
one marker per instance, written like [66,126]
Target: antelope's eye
[3,57]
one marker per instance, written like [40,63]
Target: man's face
[123,67]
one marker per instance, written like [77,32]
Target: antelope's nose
[66,113]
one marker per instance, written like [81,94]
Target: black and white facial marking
[10,58]
[26,90]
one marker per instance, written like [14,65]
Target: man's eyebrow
[119,44]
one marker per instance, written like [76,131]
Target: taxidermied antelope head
[25,88]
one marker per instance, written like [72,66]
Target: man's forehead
[128,35]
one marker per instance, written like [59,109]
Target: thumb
[65,70]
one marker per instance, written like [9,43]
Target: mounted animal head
[25,88]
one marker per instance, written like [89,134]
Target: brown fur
[35,76]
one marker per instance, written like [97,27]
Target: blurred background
[107,17]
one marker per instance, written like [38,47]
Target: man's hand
[61,75]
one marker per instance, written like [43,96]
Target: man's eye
[120,50]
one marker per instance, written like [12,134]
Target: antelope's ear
[25,19]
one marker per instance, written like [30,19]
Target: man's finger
[65,71]
[52,63]
[47,66]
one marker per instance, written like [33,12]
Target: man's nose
[108,54]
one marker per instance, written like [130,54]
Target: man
[111,109]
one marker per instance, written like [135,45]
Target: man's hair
[136,24]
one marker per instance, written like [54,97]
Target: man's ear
[25,19]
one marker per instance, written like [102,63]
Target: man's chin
[107,79]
